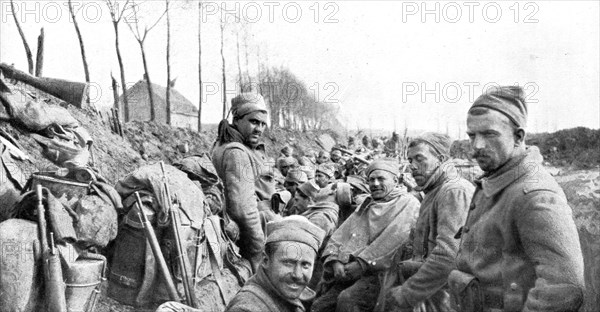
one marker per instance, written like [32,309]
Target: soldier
[363,246]
[324,175]
[280,284]
[242,165]
[323,158]
[519,248]
[284,164]
[305,196]
[293,179]
[443,211]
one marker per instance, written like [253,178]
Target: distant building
[183,113]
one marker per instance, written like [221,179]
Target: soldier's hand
[353,270]
[338,270]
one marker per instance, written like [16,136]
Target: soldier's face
[290,268]
[323,158]
[252,126]
[422,163]
[321,179]
[381,183]
[290,187]
[301,202]
[492,138]
[336,156]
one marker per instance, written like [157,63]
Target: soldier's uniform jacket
[520,240]
[443,211]
[324,215]
[248,182]
[374,231]
[259,295]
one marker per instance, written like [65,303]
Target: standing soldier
[241,163]
[519,248]
[443,211]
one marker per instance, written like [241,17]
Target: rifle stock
[54,285]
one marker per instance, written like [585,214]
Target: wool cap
[508,100]
[387,164]
[297,176]
[309,189]
[295,229]
[439,142]
[326,169]
[286,161]
[249,102]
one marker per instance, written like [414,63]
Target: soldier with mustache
[240,160]
[280,284]
[519,248]
[364,244]
[443,211]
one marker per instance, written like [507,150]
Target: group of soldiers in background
[347,229]
[368,235]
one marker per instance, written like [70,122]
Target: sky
[386,64]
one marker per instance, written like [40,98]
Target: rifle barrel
[160,259]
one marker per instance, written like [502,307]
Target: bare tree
[240,76]
[39,61]
[25,44]
[168,96]
[199,66]
[222,26]
[83,58]
[116,15]
[140,37]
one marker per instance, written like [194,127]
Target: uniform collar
[441,174]
[517,167]
[262,279]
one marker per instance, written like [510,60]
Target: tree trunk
[223,71]
[199,67]
[83,58]
[148,83]
[122,69]
[25,44]
[241,78]
[115,92]
[39,61]
[168,96]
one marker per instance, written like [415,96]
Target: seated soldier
[293,179]
[280,284]
[284,164]
[363,246]
[305,196]
[324,175]
[323,158]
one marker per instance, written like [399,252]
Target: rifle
[54,284]
[190,298]
[160,259]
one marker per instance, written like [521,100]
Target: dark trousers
[360,296]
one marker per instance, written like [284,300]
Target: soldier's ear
[519,135]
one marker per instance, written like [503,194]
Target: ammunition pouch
[470,295]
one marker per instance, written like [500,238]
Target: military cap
[439,142]
[508,100]
[387,164]
[309,189]
[286,161]
[326,169]
[297,176]
[247,103]
[295,229]
[309,170]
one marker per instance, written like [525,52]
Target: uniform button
[472,206]
[353,234]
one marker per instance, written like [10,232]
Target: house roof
[179,104]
